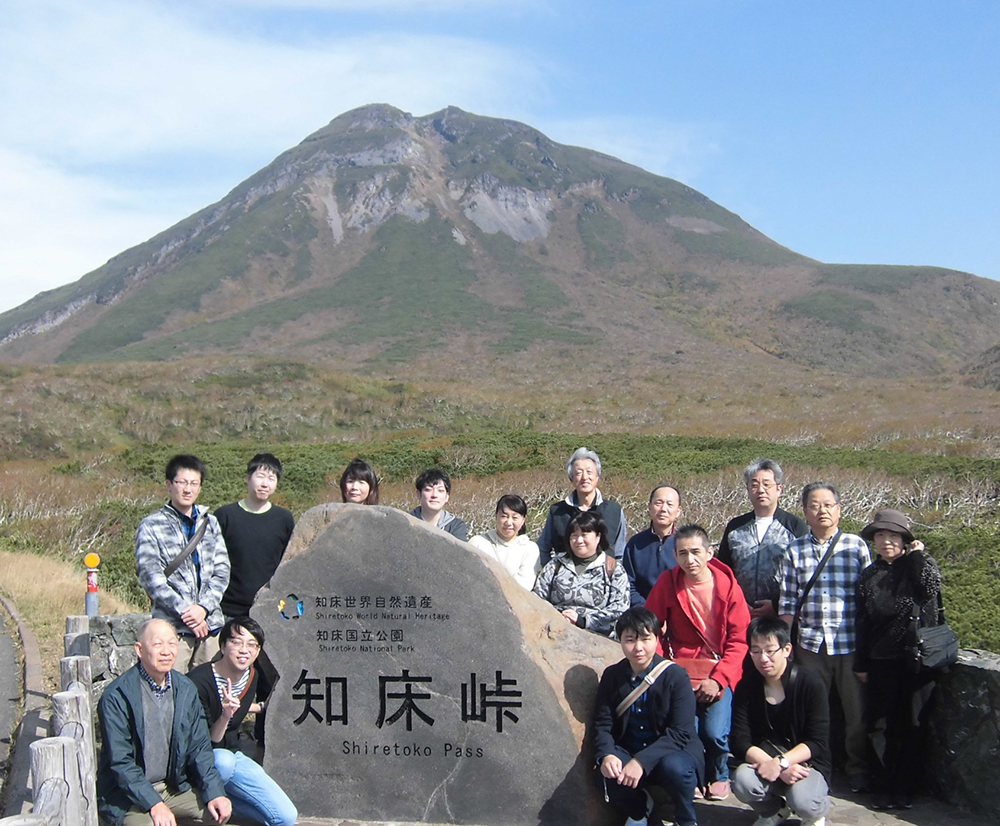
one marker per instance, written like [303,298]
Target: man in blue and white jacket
[191,597]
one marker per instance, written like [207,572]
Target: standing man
[754,543]
[182,563]
[256,533]
[584,472]
[827,616]
[651,552]
[156,766]
[434,491]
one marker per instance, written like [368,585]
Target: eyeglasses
[194,484]
[239,645]
[765,652]
[819,507]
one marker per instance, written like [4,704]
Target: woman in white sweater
[508,543]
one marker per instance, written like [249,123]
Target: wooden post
[75,670]
[71,717]
[57,757]
[76,640]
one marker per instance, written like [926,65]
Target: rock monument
[420,682]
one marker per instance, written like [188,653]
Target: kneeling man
[156,764]
[781,732]
[644,726]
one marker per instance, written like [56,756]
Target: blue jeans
[713,722]
[254,795]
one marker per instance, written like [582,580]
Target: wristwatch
[783,761]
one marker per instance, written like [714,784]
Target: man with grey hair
[754,543]
[156,766]
[584,472]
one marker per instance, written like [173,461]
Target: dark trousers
[676,773]
[898,705]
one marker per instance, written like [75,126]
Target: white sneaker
[633,822]
[777,818]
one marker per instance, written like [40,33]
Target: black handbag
[932,646]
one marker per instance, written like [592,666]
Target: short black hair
[652,493]
[358,470]
[251,626]
[588,522]
[432,476]
[688,531]
[769,625]
[639,619]
[184,461]
[267,461]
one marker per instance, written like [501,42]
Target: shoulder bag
[934,646]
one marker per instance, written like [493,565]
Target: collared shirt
[646,557]
[829,614]
[638,733]
[158,693]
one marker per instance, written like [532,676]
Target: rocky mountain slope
[455,245]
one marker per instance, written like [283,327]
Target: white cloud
[110,107]
[675,150]
[58,226]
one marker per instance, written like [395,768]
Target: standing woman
[902,582]
[227,688]
[586,584]
[359,484]
[509,543]
[584,472]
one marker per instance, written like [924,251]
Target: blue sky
[861,132]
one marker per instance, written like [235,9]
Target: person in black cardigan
[781,732]
[652,741]
[903,580]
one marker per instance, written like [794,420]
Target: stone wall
[964,752]
[112,647]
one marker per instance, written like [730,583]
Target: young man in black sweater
[256,532]
[781,732]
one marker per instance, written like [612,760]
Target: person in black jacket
[781,732]
[903,581]
[652,740]
[227,688]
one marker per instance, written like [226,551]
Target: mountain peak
[449,240]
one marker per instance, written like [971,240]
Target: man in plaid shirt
[190,598]
[827,620]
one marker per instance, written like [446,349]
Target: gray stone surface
[393,610]
[964,757]
[112,647]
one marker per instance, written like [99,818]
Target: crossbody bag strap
[640,689]
[178,560]
[915,612]
[816,573]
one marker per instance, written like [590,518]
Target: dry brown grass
[45,592]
